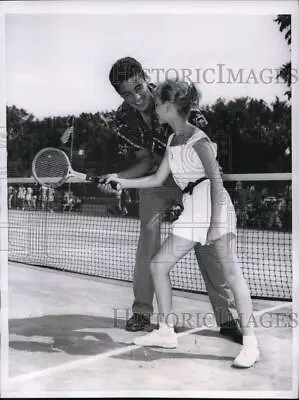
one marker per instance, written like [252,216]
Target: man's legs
[221,297]
[152,205]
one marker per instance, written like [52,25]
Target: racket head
[51,167]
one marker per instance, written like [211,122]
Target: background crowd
[259,205]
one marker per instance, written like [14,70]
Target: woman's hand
[112,178]
[105,184]
[103,178]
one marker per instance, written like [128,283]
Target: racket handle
[92,178]
[97,180]
[114,185]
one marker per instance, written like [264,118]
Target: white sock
[165,329]
[249,340]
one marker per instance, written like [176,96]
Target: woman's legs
[225,248]
[172,250]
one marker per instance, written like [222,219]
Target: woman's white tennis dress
[194,222]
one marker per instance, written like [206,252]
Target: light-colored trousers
[153,203]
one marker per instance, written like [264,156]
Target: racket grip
[97,180]
[92,178]
[114,185]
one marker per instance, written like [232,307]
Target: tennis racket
[52,168]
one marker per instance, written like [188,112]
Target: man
[146,139]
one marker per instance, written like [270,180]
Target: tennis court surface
[70,293]
[65,339]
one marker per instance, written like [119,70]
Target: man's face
[135,92]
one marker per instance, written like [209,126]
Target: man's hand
[212,235]
[105,186]
[221,171]
[174,212]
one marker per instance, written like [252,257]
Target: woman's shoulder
[197,135]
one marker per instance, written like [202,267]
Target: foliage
[252,137]
[285,72]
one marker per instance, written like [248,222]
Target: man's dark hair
[123,69]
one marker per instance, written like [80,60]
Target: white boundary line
[267,394]
[78,363]
[3,215]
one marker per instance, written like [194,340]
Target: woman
[208,215]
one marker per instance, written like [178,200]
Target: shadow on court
[61,333]
[58,333]
[150,354]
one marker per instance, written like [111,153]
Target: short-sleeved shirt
[134,134]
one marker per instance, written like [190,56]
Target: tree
[285,72]
[252,136]
[284,23]
[19,144]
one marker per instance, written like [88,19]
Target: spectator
[51,198]
[240,202]
[28,198]
[21,197]
[10,193]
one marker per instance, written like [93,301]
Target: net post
[72,145]
[4,314]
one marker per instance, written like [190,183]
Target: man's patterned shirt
[134,134]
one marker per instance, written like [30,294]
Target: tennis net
[76,228]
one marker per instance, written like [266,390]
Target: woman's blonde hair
[183,95]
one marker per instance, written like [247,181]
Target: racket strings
[51,166]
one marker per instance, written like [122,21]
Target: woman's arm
[154,180]
[206,154]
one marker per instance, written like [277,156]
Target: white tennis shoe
[156,338]
[249,354]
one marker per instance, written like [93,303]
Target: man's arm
[145,163]
[154,180]
[144,166]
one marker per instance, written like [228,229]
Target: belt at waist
[191,185]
